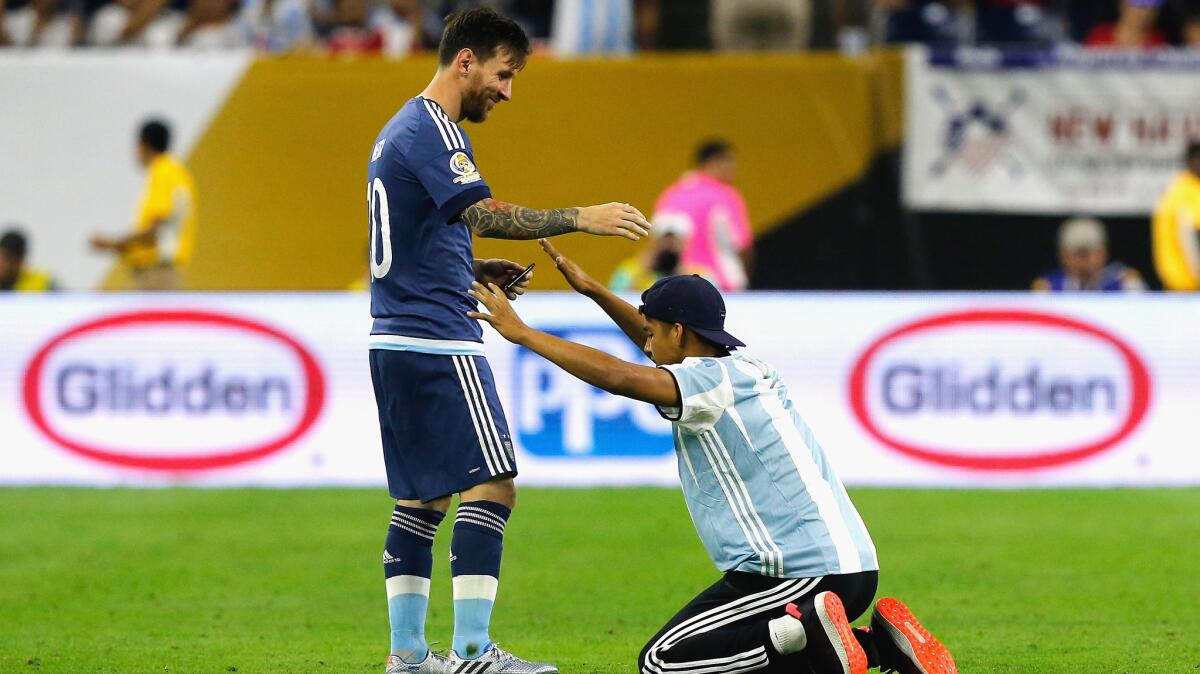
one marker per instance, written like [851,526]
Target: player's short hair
[483,31]
[156,135]
[712,149]
[14,243]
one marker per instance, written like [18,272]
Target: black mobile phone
[524,272]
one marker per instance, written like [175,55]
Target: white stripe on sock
[397,585]
[400,524]
[417,522]
[481,512]
[475,587]
[480,523]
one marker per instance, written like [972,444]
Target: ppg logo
[559,415]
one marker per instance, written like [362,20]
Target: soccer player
[771,512]
[443,429]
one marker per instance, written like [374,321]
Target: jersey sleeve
[441,159]
[704,393]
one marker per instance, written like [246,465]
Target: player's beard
[475,106]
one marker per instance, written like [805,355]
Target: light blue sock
[471,620]
[407,565]
[477,546]
[406,612]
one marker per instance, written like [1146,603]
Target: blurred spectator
[1083,253]
[672,25]
[535,16]
[708,211]
[1191,31]
[276,25]
[592,27]
[757,25]
[210,25]
[1176,227]
[972,22]
[352,32]
[660,260]
[402,24]
[36,23]
[164,234]
[1134,28]
[14,273]
[149,23]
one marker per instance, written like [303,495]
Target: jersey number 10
[383,235]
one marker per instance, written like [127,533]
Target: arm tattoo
[501,220]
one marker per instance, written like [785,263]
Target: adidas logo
[388,558]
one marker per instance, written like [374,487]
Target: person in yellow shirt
[165,231]
[1177,227]
[15,275]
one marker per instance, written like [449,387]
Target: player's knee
[501,490]
[441,505]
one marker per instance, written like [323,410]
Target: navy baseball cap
[692,302]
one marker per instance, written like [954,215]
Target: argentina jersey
[421,176]
[759,488]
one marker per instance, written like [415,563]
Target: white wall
[68,124]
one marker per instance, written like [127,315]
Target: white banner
[1064,131]
[274,390]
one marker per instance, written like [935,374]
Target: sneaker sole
[832,616]
[927,654]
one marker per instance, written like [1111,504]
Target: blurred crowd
[575,27]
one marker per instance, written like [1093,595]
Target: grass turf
[290,581]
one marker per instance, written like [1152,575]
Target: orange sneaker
[904,644]
[831,642]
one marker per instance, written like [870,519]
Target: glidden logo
[999,390]
[173,390]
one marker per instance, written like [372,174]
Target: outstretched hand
[575,275]
[499,314]
[613,219]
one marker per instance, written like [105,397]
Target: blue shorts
[442,425]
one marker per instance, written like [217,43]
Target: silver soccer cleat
[498,661]
[432,664]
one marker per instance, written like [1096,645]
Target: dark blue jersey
[421,176]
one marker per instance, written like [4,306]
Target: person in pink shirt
[710,214]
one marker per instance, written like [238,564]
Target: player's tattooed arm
[497,219]
[502,220]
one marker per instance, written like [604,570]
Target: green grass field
[290,581]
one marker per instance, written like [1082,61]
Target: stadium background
[1030,577]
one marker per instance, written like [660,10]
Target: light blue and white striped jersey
[760,489]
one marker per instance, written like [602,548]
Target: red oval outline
[1138,374]
[314,380]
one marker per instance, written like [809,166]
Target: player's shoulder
[421,129]
[404,127]
[750,369]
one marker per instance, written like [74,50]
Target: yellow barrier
[282,169]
